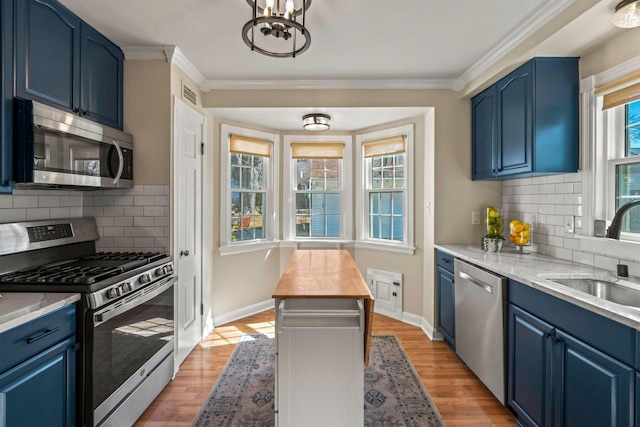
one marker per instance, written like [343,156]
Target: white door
[189,131]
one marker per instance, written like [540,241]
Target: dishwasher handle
[476,281]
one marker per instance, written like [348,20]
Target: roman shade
[621,91]
[317,150]
[385,146]
[247,145]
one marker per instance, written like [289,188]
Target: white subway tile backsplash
[554,179]
[154,190]
[123,221]
[143,200]
[25,201]
[563,253]
[103,201]
[70,200]
[161,200]
[104,221]
[532,189]
[566,187]
[573,244]
[133,211]
[62,212]
[6,201]
[113,211]
[113,232]
[36,214]
[573,199]
[143,221]
[123,201]
[563,209]
[154,210]
[547,188]
[49,201]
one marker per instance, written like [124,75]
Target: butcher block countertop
[329,273]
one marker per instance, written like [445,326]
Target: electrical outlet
[569,224]
[475,218]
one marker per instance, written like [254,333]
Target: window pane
[235,176]
[245,178]
[397,228]
[333,225]
[632,147]
[374,203]
[397,203]
[385,203]
[317,226]
[303,168]
[246,160]
[628,190]
[385,227]
[317,204]
[247,216]
[257,178]
[333,204]
[374,226]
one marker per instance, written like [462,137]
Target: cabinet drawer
[25,341]
[445,260]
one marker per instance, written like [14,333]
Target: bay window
[315,179]
[385,193]
[248,216]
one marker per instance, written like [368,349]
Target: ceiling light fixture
[627,14]
[282,35]
[316,122]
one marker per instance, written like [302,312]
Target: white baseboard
[393,314]
[421,322]
[243,312]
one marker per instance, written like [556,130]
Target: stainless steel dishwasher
[480,298]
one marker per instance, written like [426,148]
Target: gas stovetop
[84,271]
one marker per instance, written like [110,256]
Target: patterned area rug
[243,396]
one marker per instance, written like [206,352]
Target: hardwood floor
[460,397]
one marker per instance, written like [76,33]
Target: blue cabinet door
[6,106]
[446,306]
[101,77]
[515,118]
[41,391]
[593,389]
[530,356]
[47,53]
[484,134]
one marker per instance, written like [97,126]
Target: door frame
[177,104]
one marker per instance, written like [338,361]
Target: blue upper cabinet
[6,85]
[484,137]
[535,122]
[101,78]
[63,62]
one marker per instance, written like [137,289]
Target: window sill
[318,243]
[385,247]
[247,247]
[611,248]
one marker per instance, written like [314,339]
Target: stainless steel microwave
[54,148]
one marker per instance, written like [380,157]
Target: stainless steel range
[125,317]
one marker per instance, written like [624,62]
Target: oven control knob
[168,268]
[113,293]
[145,278]
[161,271]
[126,287]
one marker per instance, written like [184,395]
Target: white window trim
[598,175]
[346,177]
[271,218]
[362,210]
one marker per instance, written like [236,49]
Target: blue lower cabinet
[559,371]
[530,368]
[446,306]
[41,391]
[592,389]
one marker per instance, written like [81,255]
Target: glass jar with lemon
[520,234]
[492,240]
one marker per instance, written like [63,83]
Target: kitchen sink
[609,291]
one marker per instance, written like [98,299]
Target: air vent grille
[189,95]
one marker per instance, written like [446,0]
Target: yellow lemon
[490,208]
[493,213]
[526,225]
[514,222]
[525,233]
[517,228]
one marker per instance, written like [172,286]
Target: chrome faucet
[616,224]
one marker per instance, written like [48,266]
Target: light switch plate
[569,224]
[475,218]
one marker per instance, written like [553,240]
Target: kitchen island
[324,314]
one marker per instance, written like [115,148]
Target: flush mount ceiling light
[627,14]
[316,122]
[276,27]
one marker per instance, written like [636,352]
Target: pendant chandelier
[277,27]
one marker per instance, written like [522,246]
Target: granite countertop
[534,269]
[17,308]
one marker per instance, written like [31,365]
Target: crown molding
[171,54]
[524,30]
[331,84]
[615,73]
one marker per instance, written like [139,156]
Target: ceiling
[355,44]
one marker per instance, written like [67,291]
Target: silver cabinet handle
[184,253]
[121,162]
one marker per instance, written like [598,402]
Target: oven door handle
[106,315]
